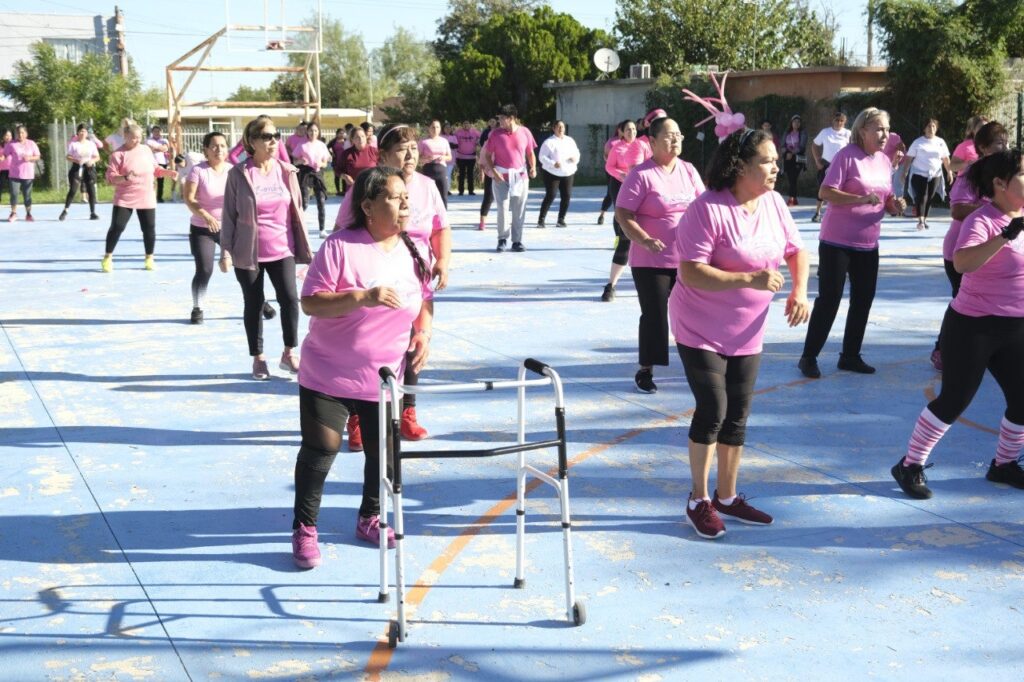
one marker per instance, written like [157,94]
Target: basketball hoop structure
[274,34]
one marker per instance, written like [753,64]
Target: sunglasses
[266,137]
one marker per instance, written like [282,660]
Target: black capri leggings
[564,187]
[607,201]
[78,176]
[924,191]
[119,220]
[485,205]
[723,389]
[312,180]
[438,172]
[653,286]
[834,263]
[5,183]
[621,255]
[202,243]
[322,419]
[282,276]
[969,346]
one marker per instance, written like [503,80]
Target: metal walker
[390,443]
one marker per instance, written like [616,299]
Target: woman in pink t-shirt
[650,205]
[337,147]
[262,228]
[453,144]
[732,240]
[967,152]
[983,327]
[858,189]
[367,286]
[623,155]
[311,157]
[204,196]
[131,170]
[435,153]
[22,153]
[83,154]
[990,138]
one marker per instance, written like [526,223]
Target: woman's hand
[653,244]
[767,280]
[211,223]
[440,273]
[386,296]
[798,309]
[896,205]
[870,198]
[225,261]
[418,351]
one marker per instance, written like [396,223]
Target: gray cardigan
[238,227]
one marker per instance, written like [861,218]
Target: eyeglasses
[267,137]
[674,136]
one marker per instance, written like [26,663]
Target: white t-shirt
[831,141]
[158,156]
[928,154]
[559,150]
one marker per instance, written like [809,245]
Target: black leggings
[322,419]
[955,278]
[485,205]
[467,173]
[282,276]
[924,192]
[606,203]
[78,176]
[202,243]
[792,168]
[653,286]
[160,184]
[438,172]
[723,389]
[834,262]
[621,255]
[5,183]
[119,220]
[26,193]
[564,187]
[311,180]
[969,346]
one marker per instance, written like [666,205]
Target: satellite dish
[607,61]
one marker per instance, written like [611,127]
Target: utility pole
[122,52]
[871,32]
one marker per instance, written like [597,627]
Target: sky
[160,32]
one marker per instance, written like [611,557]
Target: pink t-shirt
[273,203]
[83,150]
[15,151]
[209,190]
[622,156]
[961,193]
[342,355]
[717,231]
[433,147]
[467,142]
[892,146]
[292,143]
[510,149]
[659,199]
[138,192]
[997,287]
[312,153]
[856,226]
[427,213]
[966,151]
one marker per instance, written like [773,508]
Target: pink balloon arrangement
[726,122]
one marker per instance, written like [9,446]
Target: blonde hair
[132,128]
[863,118]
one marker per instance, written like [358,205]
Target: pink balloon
[721,131]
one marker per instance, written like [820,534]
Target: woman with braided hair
[367,286]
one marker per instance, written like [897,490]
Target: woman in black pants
[262,229]
[928,164]
[485,204]
[558,158]
[204,196]
[983,328]
[623,155]
[435,153]
[794,156]
[83,155]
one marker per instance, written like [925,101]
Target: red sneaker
[355,434]
[29,218]
[741,511]
[411,430]
[705,520]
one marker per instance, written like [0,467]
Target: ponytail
[422,273]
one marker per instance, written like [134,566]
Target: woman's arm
[709,278]
[441,245]
[419,344]
[798,309]
[841,198]
[335,304]
[971,258]
[635,233]
[960,210]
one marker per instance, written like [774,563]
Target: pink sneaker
[14,216]
[289,362]
[481,226]
[29,218]
[305,551]
[368,529]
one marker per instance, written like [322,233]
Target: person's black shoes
[912,480]
[854,364]
[809,368]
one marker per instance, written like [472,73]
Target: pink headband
[726,122]
[653,115]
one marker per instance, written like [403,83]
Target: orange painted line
[380,657]
[929,392]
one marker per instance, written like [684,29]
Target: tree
[455,30]
[344,72]
[246,93]
[672,35]
[945,59]
[509,58]
[406,66]
[47,88]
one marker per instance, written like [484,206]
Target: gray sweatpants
[511,206]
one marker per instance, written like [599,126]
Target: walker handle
[535,366]
[386,373]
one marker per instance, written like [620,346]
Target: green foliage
[245,93]
[47,88]
[406,66]
[344,71]
[945,59]
[466,17]
[671,35]
[507,60]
